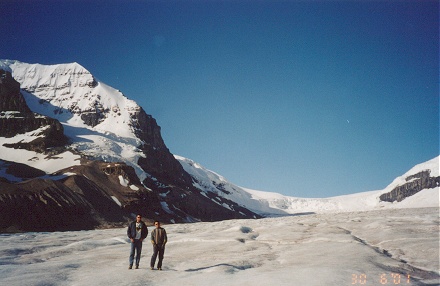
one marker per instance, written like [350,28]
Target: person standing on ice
[137,231]
[158,239]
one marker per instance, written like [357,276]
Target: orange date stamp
[382,279]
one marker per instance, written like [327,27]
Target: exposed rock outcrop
[10,96]
[158,160]
[100,194]
[92,196]
[415,183]
[43,205]
[20,171]
[17,118]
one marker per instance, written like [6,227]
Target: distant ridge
[425,177]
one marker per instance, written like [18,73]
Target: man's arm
[152,237]
[144,231]
[165,238]
[129,231]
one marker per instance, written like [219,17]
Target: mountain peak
[70,93]
[99,120]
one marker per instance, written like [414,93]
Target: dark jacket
[131,231]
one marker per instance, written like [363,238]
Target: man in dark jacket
[158,239]
[137,231]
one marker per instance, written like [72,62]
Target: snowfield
[273,204]
[383,247]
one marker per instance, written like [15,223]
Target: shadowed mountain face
[90,196]
[17,118]
[94,195]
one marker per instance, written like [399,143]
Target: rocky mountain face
[17,118]
[91,196]
[414,184]
[125,169]
[158,160]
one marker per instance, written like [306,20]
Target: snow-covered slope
[268,203]
[99,119]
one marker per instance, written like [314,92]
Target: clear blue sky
[304,98]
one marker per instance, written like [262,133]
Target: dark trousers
[135,246]
[157,250]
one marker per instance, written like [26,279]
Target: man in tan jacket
[158,239]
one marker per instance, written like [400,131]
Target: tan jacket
[159,236]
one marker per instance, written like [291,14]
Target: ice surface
[351,248]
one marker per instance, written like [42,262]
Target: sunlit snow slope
[268,203]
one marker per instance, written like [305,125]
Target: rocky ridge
[17,118]
[414,184]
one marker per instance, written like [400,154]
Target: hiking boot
[130,267]
[137,266]
[159,269]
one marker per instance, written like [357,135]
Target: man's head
[138,218]
[157,224]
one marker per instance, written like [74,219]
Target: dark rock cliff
[174,186]
[415,184]
[17,118]
[91,198]
[10,96]
[43,205]
[158,161]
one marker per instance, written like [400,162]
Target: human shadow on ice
[287,214]
[230,266]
